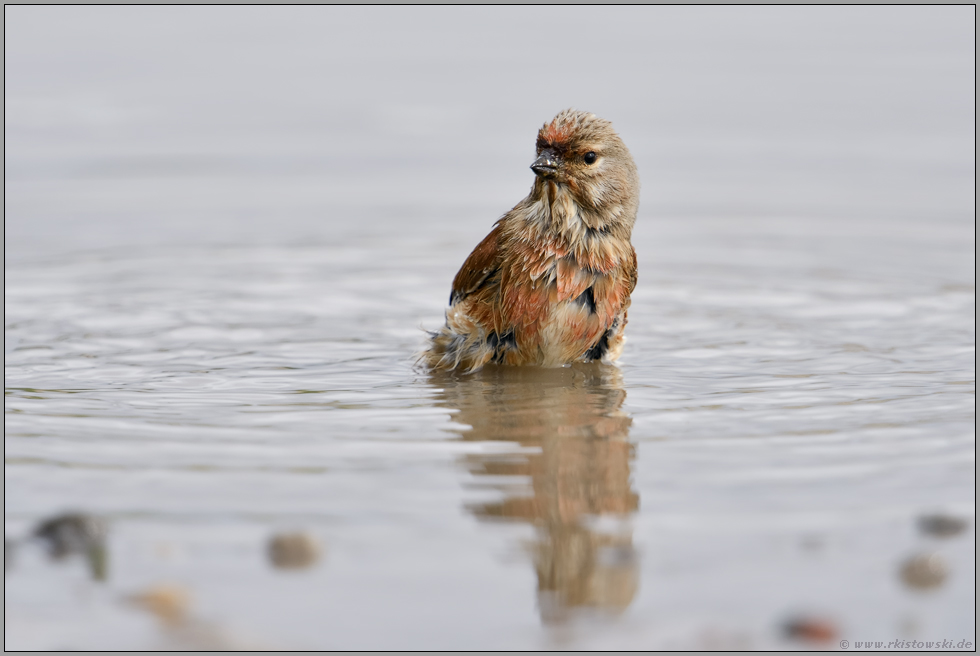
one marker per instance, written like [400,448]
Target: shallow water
[214,285]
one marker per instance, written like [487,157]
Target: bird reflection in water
[579,468]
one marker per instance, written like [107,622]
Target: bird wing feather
[631,270]
[478,268]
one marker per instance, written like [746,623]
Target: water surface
[219,257]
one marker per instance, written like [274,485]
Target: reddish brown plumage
[551,283]
[555,134]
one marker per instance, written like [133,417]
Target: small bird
[551,283]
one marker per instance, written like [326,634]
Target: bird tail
[460,344]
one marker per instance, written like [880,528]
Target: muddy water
[219,255]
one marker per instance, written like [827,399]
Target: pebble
[71,533]
[810,629]
[169,602]
[942,526]
[924,571]
[293,550]
[77,533]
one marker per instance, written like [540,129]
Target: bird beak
[546,165]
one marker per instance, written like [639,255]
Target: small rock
[293,550]
[71,533]
[77,533]
[169,602]
[942,526]
[810,629]
[924,571]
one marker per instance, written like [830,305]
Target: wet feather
[555,274]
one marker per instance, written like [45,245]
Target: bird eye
[590,157]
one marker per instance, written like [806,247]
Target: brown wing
[480,267]
[631,269]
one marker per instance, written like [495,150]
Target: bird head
[581,153]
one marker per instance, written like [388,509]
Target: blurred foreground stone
[294,550]
[942,526]
[171,604]
[810,629]
[76,534]
[168,602]
[924,571]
